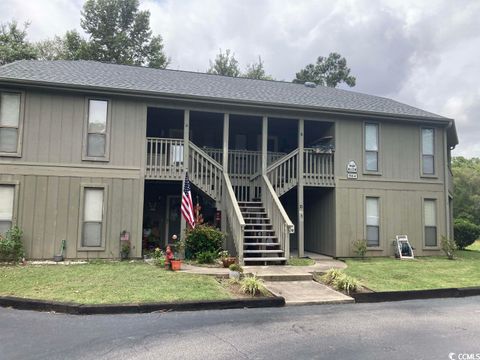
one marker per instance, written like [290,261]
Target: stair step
[260,237]
[264,214]
[263,251]
[257,219]
[261,244]
[250,202]
[259,230]
[264,259]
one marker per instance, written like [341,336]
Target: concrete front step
[306,293]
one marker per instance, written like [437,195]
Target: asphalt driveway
[418,329]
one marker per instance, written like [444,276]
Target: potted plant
[176,264]
[125,250]
[226,259]
[235,271]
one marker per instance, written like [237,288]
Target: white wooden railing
[164,159]
[205,172]
[234,216]
[283,174]
[243,161]
[318,168]
[281,223]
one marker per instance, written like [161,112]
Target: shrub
[253,285]
[207,257]
[449,247]
[236,267]
[330,276]
[345,283]
[465,233]
[11,247]
[360,247]
[158,257]
[203,238]
[340,281]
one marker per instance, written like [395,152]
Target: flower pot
[176,264]
[234,275]
[228,261]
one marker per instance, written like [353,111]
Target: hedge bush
[204,238]
[465,232]
[11,247]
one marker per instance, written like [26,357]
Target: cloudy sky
[424,53]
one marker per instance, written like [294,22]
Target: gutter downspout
[445,181]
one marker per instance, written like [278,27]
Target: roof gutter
[215,100]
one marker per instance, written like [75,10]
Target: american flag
[187,203]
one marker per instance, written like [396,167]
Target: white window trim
[103,187]
[16,185]
[85,156]
[380,246]
[18,153]
[379,151]
[424,246]
[435,165]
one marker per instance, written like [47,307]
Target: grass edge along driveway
[108,283]
[390,274]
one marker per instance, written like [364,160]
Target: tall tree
[466,180]
[257,71]
[69,47]
[120,33]
[327,71]
[225,64]
[13,43]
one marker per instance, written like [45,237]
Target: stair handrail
[281,223]
[234,216]
[207,157]
[276,164]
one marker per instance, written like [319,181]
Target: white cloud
[422,53]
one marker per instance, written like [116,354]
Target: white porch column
[226,133]
[264,144]
[186,148]
[300,217]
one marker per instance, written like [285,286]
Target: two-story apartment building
[88,150]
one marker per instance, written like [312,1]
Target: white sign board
[352,170]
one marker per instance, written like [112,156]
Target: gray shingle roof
[192,84]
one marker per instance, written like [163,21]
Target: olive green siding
[398,184]
[50,174]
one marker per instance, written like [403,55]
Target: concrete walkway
[294,283]
[306,293]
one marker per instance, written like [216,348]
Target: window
[428,148]
[97,129]
[7,194]
[9,122]
[371,147]
[372,221]
[430,220]
[93,214]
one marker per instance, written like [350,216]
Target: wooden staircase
[261,245]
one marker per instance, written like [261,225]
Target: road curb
[84,309]
[386,296]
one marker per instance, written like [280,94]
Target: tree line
[119,32]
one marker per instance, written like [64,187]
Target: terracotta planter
[228,261]
[176,265]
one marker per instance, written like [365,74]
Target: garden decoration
[168,257]
[60,257]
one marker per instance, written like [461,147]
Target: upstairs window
[428,151]
[372,211]
[430,220]
[371,147]
[97,130]
[9,123]
[7,194]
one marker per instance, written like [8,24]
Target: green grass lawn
[107,283]
[475,246]
[295,261]
[389,274]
